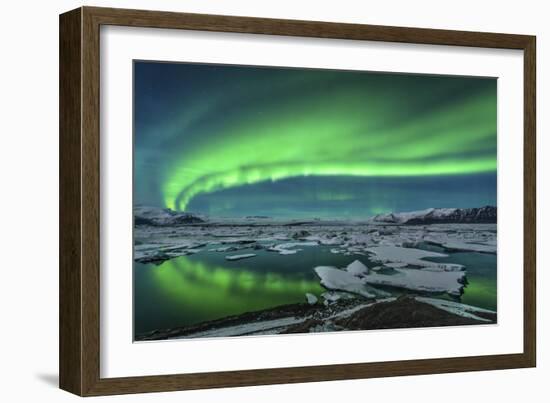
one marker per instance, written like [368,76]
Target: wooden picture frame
[79,278]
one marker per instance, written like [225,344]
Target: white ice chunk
[287,251]
[450,282]
[411,256]
[396,265]
[331,297]
[470,247]
[331,241]
[237,257]
[340,280]
[311,299]
[377,268]
[288,248]
[469,241]
[357,268]
[223,249]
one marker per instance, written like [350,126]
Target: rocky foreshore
[342,315]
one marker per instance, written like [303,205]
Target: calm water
[205,286]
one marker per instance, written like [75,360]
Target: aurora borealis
[237,140]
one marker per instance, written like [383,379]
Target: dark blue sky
[237,141]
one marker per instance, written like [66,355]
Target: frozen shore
[343,315]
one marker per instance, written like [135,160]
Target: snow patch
[467,311]
[247,328]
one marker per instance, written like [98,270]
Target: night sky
[239,141]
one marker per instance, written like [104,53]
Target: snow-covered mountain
[487,214]
[154,216]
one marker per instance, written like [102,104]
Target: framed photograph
[249,201]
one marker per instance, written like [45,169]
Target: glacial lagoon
[204,286]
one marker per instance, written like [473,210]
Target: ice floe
[239,257]
[224,249]
[341,280]
[460,245]
[411,256]
[289,248]
[157,252]
[396,265]
[356,278]
[311,299]
[451,282]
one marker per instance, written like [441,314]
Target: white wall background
[29,201]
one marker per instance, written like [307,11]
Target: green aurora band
[326,123]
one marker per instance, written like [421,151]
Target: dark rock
[405,312]
[143,221]
[155,259]
[303,327]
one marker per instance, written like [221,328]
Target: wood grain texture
[80,201]
[70,273]
[530,203]
[222,23]
[90,202]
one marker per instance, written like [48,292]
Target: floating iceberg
[238,257]
[411,256]
[311,299]
[357,279]
[461,245]
[340,280]
[451,282]
[224,249]
[288,248]
[396,265]
[357,268]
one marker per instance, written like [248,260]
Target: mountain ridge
[160,217]
[472,215]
